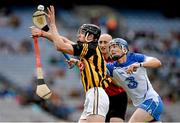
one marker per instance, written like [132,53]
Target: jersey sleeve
[139,57]
[84,50]
[147,58]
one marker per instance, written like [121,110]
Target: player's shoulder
[136,57]
[133,55]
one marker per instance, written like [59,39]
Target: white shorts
[96,103]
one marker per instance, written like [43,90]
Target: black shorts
[117,106]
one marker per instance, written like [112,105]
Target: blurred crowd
[164,46]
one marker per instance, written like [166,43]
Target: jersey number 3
[132,83]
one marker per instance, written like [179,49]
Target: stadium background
[151,27]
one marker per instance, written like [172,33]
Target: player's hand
[72,62]
[132,68]
[51,15]
[51,20]
[77,62]
[36,32]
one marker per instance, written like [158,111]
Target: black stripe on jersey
[87,73]
[85,80]
[95,61]
[92,75]
[102,63]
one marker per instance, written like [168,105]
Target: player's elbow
[61,49]
[58,48]
[158,63]
[65,49]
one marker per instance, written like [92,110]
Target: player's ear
[89,37]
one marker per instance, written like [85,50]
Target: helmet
[120,42]
[91,29]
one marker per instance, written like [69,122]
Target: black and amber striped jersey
[94,72]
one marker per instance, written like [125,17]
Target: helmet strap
[86,37]
[117,57]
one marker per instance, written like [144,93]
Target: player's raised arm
[151,62]
[51,20]
[61,43]
[58,40]
[66,40]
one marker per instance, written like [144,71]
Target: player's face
[103,44]
[81,36]
[115,50]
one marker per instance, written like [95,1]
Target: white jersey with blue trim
[137,84]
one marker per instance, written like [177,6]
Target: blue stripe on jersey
[131,58]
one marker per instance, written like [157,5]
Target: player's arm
[66,40]
[61,45]
[55,38]
[150,62]
[53,35]
[49,37]
[143,61]
[59,41]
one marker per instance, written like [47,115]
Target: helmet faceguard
[90,29]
